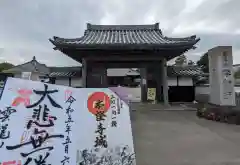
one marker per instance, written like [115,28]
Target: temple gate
[125,46]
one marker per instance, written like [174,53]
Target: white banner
[38,123]
[107,135]
[49,124]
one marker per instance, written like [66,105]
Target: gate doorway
[181,93]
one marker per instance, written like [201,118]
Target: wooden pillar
[70,81]
[96,76]
[84,73]
[104,78]
[144,86]
[164,81]
[158,78]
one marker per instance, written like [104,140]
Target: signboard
[37,123]
[151,94]
[108,138]
[46,124]
[221,76]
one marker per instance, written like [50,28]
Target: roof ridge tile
[123,27]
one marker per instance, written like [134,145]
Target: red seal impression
[98,102]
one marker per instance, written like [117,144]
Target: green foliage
[181,60]
[237,74]
[203,63]
[5,66]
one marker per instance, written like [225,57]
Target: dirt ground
[180,138]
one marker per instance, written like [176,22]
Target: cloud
[211,16]
[26,25]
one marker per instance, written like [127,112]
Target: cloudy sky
[26,25]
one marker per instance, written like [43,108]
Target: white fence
[202,94]
[206,90]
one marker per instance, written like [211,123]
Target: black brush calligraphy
[101,137]
[114,107]
[68,112]
[42,120]
[4,118]
[6,113]
[45,93]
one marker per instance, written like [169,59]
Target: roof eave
[188,45]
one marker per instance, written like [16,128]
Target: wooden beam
[115,58]
[122,55]
[125,64]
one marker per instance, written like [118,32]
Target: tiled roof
[65,71]
[62,74]
[31,66]
[188,71]
[135,36]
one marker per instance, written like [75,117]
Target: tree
[5,66]
[181,60]
[203,63]
[237,74]
[191,63]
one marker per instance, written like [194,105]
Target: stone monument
[221,76]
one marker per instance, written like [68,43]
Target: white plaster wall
[134,94]
[75,82]
[34,76]
[202,90]
[64,82]
[182,81]
[237,89]
[17,75]
[172,81]
[206,89]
